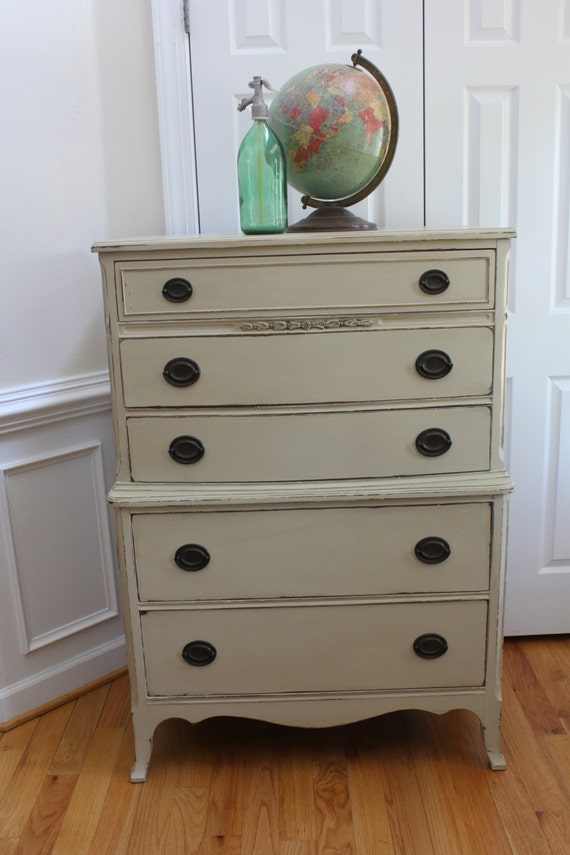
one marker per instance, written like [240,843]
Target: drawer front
[307,368]
[351,281]
[313,648]
[308,446]
[312,553]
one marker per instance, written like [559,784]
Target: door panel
[497,152]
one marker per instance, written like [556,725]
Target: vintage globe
[338,127]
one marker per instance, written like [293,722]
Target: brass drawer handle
[177,290]
[181,371]
[430,646]
[199,653]
[186,449]
[434,282]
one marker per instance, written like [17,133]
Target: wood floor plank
[28,779]
[331,794]
[259,833]
[523,751]
[197,772]
[297,847]
[550,659]
[557,751]
[518,818]
[436,767]
[525,682]
[13,745]
[187,824]
[372,831]
[44,823]
[84,811]
[436,770]
[297,819]
[156,800]
[556,827]
[366,785]
[223,844]
[119,808]
[463,781]
[116,710]
[76,739]
[229,748]
[260,826]
[404,802]
[333,807]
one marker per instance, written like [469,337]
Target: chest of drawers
[310,494]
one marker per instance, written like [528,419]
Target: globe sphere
[334,124]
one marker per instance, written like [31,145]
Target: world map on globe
[333,122]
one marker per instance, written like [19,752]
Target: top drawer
[355,281]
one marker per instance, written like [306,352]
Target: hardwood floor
[409,783]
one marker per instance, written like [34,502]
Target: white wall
[79,162]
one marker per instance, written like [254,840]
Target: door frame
[175,117]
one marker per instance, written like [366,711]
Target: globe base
[332,218]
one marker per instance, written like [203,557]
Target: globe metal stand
[331,218]
[332,215]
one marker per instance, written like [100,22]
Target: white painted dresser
[310,494]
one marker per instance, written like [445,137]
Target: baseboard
[63,699]
[71,678]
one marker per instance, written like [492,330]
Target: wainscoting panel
[60,530]
[60,624]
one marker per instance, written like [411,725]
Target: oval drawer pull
[433,442]
[434,281]
[181,371]
[199,653]
[430,645]
[432,550]
[192,557]
[186,449]
[177,290]
[433,364]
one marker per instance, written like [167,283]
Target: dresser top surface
[319,241]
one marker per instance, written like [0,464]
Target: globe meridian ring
[339,131]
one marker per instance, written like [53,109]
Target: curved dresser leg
[143,750]
[492,739]
[497,760]
[138,772]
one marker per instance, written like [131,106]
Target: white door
[498,154]
[497,135]
[232,40]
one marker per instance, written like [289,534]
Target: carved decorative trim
[324,324]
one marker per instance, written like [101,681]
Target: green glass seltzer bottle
[262,177]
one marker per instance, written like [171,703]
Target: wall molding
[40,404]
